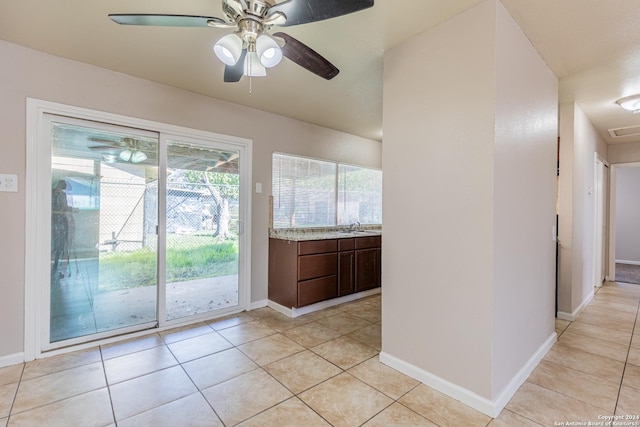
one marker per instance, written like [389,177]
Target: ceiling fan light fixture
[109,158]
[228,49]
[125,155]
[138,157]
[253,67]
[630,103]
[268,51]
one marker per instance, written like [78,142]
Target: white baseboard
[469,398]
[571,317]
[624,261]
[510,390]
[295,312]
[258,304]
[11,359]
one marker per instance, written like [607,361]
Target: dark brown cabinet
[346,266]
[367,263]
[306,272]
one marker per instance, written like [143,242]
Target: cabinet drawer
[312,266]
[316,290]
[317,247]
[368,242]
[346,244]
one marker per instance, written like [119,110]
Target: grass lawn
[188,258]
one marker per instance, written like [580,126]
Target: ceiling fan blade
[305,11]
[306,57]
[233,73]
[104,147]
[168,20]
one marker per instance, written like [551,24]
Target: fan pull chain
[250,69]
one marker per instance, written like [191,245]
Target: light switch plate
[258,187]
[9,182]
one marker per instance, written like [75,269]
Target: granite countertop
[323,233]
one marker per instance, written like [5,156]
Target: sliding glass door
[144,230]
[103,229]
[202,228]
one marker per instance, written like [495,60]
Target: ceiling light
[125,155]
[630,103]
[268,51]
[253,67]
[138,157]
[228,49]
[109,158]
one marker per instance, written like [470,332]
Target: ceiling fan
[250,49]
[128,149]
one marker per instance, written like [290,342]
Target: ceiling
[593,46]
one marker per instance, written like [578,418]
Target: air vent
[622,132]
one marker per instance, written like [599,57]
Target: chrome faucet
[355,226]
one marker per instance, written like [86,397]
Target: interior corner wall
[565,209]
[524,204]
[438,121]
[623,153]
[28,73]
[627,211]
[578,219]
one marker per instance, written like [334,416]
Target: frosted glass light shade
[228,49]
[125,155]
[630,103]
[138,157]
[253,67]
[268,51]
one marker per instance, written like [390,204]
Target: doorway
[625,228]
[140,225]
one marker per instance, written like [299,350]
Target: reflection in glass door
[202,229]
[103,229]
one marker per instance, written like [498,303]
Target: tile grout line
[297,395]
[624,370]
[15,396]
[106,381]
[200,392]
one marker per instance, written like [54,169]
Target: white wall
[576,208]
[627,212]
[524,202]
[27,73]
[623,153]
[470,124]
[438,144]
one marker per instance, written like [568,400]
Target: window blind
[317,193]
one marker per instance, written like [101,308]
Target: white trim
[612,213]
[510,390]
[35,229]
[599,214]
[562,315]
[258,304]
[295,312]
[469,398]
[624,261]
[140,333]
[11,359]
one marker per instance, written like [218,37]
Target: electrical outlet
[9,182]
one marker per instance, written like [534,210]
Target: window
[359,195]
[317,193]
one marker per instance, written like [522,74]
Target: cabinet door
[367,269]
[346,273]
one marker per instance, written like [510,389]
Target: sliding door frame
[36,276]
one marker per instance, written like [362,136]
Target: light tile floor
[264,369]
